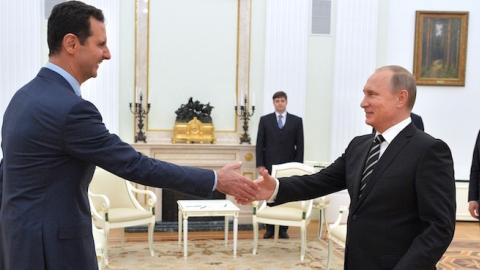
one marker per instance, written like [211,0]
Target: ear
[70,43]
[402,97]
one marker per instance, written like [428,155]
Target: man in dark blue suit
[279,140]
[52,140]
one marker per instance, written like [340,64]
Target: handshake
[231,182]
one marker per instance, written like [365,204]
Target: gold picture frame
[440,47]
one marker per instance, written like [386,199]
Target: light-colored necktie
[280,121]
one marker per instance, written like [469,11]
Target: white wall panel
[286,49]
[103,91]
[355,60]
[20,46]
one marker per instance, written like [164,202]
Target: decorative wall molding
[242,69]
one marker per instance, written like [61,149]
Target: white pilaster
[20,48]
[103,91]
[355,60]
[286,52]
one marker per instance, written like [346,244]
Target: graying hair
[402,79]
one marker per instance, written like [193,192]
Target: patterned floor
[285,254]
[461,255]
[210,254]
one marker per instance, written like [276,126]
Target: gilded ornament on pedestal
[194,123]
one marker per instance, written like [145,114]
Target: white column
[286,52]
[355,60]
[103,91]
[20,47]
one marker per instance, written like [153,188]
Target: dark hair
[279,94]
[402,79]
[70,17]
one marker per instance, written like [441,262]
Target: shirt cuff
[275,192]
[215,181]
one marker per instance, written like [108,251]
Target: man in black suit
[52,139]
[473,188]
[279,140]
[400,181]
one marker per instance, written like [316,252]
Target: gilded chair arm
[152,198]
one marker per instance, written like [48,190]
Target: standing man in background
[279,140]
[473,188]
[52,139]
[417,121]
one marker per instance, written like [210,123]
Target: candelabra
[140,113]
[245,113]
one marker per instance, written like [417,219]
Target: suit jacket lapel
[393,149]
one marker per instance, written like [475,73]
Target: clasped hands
[231,182]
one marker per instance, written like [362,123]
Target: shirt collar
[284,114]
[67,76]
[394,130]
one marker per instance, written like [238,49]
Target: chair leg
[303,237]
[255,237]
[151,227]
[106,230]
[325,223]
[329,255]
[276,232]
[320,225]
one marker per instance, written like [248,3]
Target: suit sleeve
[473,190]
[86,138]
[305,187]
[435,188]
[299,142]
[260,147]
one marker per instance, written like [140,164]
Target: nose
[106,54]
[363,103]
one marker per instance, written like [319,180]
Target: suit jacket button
[354,217]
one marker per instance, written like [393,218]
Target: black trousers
[271,228]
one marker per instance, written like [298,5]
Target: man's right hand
[266,185]
[473,209]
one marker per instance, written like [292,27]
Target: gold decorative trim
[238,48]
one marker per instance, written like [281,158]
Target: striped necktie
[372,159]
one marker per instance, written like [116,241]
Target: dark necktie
[372,159]
[280,121]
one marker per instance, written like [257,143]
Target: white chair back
[292,169]
[114,187]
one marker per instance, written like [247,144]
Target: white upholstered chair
[320,203]
[337,233]
[114,205]
[288,214]
[99,239]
